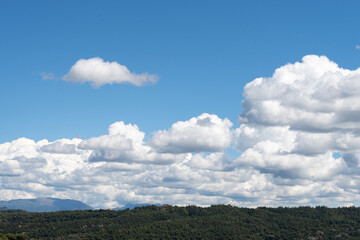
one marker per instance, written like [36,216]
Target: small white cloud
[357,47]
[98,72]
[47,76]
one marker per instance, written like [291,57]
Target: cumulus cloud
[121,137]
[119,167]
[123,143]
[298,144]
[98,72]
[315,95]
[205,133]
[294,121]
[62,146]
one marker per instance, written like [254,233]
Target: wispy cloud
[357,47]
[47,75]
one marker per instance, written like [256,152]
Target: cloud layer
[98,72]
[298,143]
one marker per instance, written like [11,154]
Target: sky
[249,103]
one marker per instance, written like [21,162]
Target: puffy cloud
[121,137]
[205,133]
[124,143]
[10,168]
[298,143]
[214,161]
[62,146]
[117,168]
[294,121]
[21,147]
[314,95]
[98,72]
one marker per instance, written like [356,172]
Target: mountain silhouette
[44,205]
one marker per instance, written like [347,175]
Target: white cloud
[124,143]
[295,120]
[214,161]
[357,47]
[205,133]
[98,72]
[62,146]
[113,169]
[10,167]
[121,137]
[292,124]
[315,95]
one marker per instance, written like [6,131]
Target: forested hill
[171,222]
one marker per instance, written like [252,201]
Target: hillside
[44,205]
[170,222]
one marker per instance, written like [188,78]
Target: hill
[44,205]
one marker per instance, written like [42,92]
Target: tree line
[190,222]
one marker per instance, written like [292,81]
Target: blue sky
[204,53]
[255,103]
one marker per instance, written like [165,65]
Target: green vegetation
[191,222]
[13,237]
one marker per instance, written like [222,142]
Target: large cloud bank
[298,144]
[98,72]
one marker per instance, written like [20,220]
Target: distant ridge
[44,205]
[132,206]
